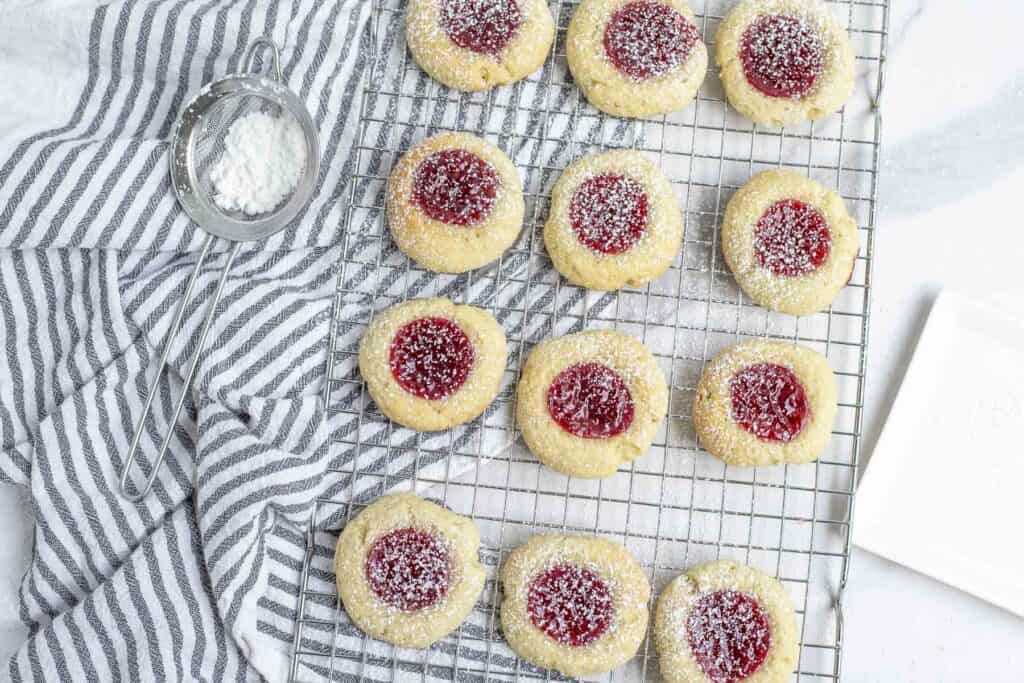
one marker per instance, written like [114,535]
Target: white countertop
[953,138]
[953,173]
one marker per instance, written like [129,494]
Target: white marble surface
[952,179]
[953,173]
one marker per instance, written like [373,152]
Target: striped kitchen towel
[94,253]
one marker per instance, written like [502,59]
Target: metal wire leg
[175,326]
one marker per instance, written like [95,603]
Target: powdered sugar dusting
[792,238]
[263,160]
[571,604]
[409,569]
[782,55]
[729,635]
[609,213]
[769,401]
[431,358]
[646,39]
[455,186]
[484,26]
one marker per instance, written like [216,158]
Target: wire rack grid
[676,506]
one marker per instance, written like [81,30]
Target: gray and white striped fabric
[193,583]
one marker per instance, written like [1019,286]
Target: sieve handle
[275,56]
[175,328]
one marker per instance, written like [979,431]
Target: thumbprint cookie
[430,364]
[478,44]
[636,58]
[724,622]
[765,403]
[614,221]
[408,570]
[454,203]
[591,401]
[574,604]
[784,61]
[789,242]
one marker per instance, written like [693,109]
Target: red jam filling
[455,186]
[769,402]
[431,357]
[591,401]
[408,569]
[645,39]
[571,604]
[609,213]
[484,26]
[729,635]
[791,238]
[782,56]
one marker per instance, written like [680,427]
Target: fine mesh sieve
[197,143]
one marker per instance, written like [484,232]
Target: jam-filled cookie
[784,61]
[764,403]
[407,570]
[614,221]
[636,57]
[789,242]
[430,364]
[478,44]
[725,622]
[591,401]
[455,202]
[574,604]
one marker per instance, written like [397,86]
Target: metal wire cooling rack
[674,507]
